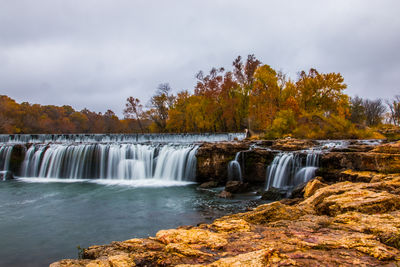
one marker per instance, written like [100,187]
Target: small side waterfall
[5,156]
[111,161]
[234,169]
[289,169]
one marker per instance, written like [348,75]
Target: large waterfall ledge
[339,224]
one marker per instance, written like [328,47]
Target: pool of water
[44,220]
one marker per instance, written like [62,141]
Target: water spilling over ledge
[111,161]
[170,157]
[288,170]
[120,138]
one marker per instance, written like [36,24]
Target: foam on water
[116,182]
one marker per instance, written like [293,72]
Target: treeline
[250,96]
[256,97]
[34,118]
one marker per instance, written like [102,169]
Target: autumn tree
[394,108]
[322,93]
[134,110]
[159,105]
[244,76]
[264,98]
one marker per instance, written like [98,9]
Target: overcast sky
[96,53]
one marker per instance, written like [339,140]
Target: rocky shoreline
[349,215]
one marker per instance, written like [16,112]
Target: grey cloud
[96,53]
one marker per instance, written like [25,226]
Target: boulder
[312,186]
[235,187]
[6,175]
[274,194]
[364,201]
[210,184]
[225,194]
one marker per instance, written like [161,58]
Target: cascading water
[5,156]
[111,161]
[289,169]
[234,169]
[168,157]
[127,138]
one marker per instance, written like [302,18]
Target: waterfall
[111,161]
[128,138]
[290,169]
[5,156]
[234,169]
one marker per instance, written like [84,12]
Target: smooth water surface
[43,221]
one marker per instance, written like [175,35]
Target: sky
[96,53]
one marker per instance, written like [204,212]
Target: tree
[322,93]
[133,109]
[244,76]
[394,107]
[357,110]
[111,122]
[160,103]
[374,110]
[264,98]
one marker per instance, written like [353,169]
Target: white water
[5,156]
[111,182]
[120,138]
[234,169]
[111,161]
[289,169]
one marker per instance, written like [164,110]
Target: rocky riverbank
[353,220]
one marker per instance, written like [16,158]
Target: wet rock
[6,175]
[298,191]
[213,159]
[236,187]
[254,164]
[290,144]
[273,194]
[210,184]
[225,194]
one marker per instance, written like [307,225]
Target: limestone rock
[364,201]
[312,186]
[231,225]
[289,144]
[271,212]
[192,236]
